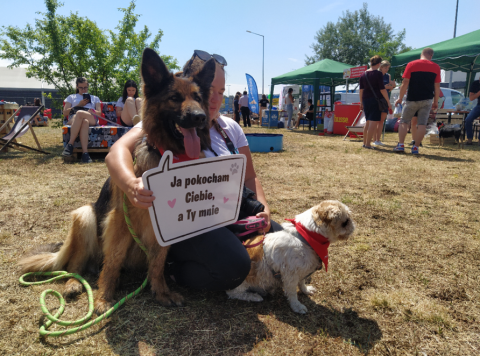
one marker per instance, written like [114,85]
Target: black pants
[237,116]
[246,116]
[214,261]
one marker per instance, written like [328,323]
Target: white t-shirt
[120,103]
[288,100]
[75,99]
[233,131]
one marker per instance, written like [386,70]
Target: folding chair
[355,129]
[21,126]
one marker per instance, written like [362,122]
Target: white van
[448,97]
[347,98]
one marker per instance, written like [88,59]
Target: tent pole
[271,104]
[316,97]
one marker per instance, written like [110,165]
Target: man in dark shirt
[474,94]
[422,79]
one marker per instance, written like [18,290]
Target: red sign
[355,72]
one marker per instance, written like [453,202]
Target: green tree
[58,49]
[355,38]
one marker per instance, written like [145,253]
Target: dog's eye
[198,98]
[345,223]
[175,97]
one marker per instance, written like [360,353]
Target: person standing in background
[422,79]
[289,99]
[243,103]
[371,91]
[263,105]
[236,108]
[389,84]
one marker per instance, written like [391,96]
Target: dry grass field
[407,283]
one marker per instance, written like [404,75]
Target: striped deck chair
[20,128]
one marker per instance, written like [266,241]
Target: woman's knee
[237,271]
[130,100]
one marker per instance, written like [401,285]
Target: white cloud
[293,59]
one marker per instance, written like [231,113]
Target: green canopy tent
[458,54]
[325,72]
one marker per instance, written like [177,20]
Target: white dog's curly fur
[285,254]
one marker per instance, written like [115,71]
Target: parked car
[447,100]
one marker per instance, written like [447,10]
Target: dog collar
[177,158]
[317,241]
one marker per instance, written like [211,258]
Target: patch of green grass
[361,247]
[4,235]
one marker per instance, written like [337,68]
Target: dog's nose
[197,117]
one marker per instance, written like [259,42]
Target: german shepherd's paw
[102,306]
[72,288]
[170,299]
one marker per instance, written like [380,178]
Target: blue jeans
[290,114]
[469,121]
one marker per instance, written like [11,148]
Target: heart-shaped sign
[225,200]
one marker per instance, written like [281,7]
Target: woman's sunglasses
[205,56]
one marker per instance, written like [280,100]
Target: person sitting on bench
[129,104]
[83,111]
[308,114]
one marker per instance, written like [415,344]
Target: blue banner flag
[252,94]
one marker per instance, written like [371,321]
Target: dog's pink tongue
[191,142]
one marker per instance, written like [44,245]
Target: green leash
[62,274]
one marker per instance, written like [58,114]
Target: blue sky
[289,27]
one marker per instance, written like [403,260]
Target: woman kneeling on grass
[82,110]
[129,104]
[215,260]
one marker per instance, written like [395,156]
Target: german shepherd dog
[175,109]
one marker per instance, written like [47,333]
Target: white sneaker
[378,143]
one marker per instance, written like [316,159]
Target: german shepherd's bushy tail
[82,245]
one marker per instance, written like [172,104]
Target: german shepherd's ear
[204,78]
[155,73]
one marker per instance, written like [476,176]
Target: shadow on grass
[389,150]
[210,323]
[207,324]
[323,320]
[53,152]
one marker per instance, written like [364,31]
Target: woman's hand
[361,106]
[83,102]
[266,216]
[139,196]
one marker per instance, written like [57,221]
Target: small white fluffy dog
[286,257]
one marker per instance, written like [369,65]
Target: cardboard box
[435,140]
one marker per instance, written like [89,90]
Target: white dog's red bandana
[318,242]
